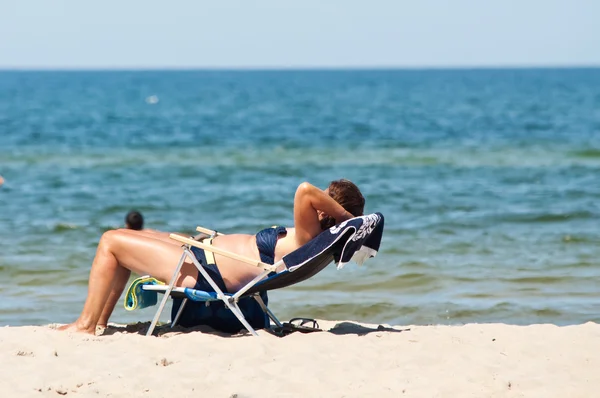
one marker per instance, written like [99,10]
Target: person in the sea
[134,220]
[152,252]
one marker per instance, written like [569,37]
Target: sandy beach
[348,359]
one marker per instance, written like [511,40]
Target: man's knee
[109,238]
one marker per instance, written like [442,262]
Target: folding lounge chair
[355,239]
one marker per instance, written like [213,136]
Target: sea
[488,179]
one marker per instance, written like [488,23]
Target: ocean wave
[529,218]
[539,279]
[575,239]
[496,311]
[375,312]
[292,158]
[63,227]
[587,154]
[378,283]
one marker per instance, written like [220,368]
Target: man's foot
[100,329]
[74,327]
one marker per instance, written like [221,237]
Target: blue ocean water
[489,181]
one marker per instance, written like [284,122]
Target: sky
[131,34]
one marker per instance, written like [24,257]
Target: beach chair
[355,239]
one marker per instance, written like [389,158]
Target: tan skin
[149,252]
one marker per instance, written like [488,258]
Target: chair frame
[230,300]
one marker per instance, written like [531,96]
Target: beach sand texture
[349,359]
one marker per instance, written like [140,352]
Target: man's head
[347,194]
[134,220]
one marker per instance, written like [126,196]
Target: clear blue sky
[292,33]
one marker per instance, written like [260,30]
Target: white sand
[350,360]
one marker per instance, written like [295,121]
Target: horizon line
[288,68]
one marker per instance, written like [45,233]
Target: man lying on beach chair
[357,239]
[154,253]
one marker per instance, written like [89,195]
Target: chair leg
[238,314]
[267,310]
[179,312]
[163,302]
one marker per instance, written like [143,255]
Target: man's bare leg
[123,274]
[160,235]
[120,250]
[121,279]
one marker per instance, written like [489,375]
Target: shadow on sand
[164,330]
[342,328]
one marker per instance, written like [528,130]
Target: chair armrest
[226,253]
[208,231]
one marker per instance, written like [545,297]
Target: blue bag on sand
[216,315]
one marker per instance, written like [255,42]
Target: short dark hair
[347,194]
[134,220]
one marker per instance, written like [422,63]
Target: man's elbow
[305,189]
